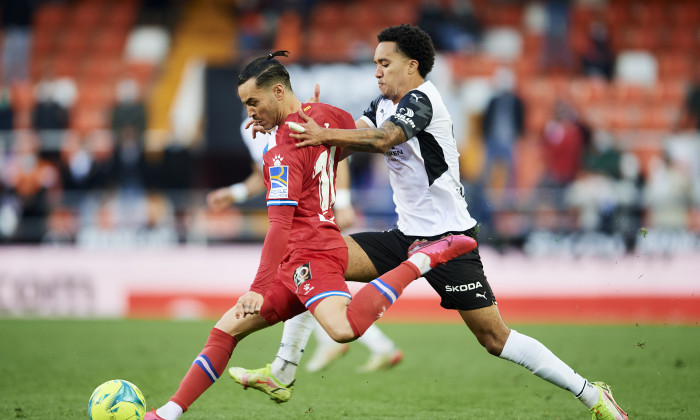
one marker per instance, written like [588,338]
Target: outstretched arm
[374,140]
[253,185]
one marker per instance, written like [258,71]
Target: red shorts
[303,279]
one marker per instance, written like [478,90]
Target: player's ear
[278,90]
[412,67]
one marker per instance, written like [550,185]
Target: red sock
[206,369]
[369,304]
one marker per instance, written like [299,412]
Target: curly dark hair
[412,42]
[266,71]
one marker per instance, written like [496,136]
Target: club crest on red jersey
[302,274]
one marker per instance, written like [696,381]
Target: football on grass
[117,400]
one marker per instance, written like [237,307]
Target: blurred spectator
[130,162]
[452,29]
[16,18]
[48,114]
[61,228]
[100,145]
[128,127]
[6,112]
[252,31]
[556,47]
[594,194]
[602,156]
[127,224]
[692,100]
[502,126]
[159,227]
[86,163]
[464,24]
[102,230]
[667,195]
[76,164]
[598,59]
[129,110]
[562,147]
[28,179]
[628,217]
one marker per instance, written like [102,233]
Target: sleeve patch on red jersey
[279,182]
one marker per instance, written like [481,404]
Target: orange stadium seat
[95,95]
[541,90]
[43,42]
[536,116]
[327,17]
[683,39]
[324,47]
[86,14]
[111,43]
[122,14]
[102,67]
[365,20]
[85,119]
[648,14]
[289,34]
[141,72]
[674,65]
[472,65]
[616,14]
[396,13]
[50,15]
[526,67]
[669,91]
[588,91]
[628,93]
[619,117]
[22,96]
[65,66]
[75,42]
[684,14]
[503,14]
[661,116]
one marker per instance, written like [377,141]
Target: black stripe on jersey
[433,156]
[371,111]
[413,113]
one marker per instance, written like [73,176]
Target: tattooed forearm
[375,140]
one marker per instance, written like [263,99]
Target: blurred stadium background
[578,124]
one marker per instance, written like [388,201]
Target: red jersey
[305,179]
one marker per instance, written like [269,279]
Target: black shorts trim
[461,282]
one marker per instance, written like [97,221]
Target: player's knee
[492,343]
[341,334]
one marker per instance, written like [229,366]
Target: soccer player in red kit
[304,257]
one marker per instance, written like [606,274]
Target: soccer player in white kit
[411,126]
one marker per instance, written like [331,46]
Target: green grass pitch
[49,368]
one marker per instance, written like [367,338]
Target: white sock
[533,355]
[295,335]
[170,411]
[376,341]
[589,395]
[421,261]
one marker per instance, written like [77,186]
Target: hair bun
[279,53]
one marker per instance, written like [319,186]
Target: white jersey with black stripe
[423,171]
